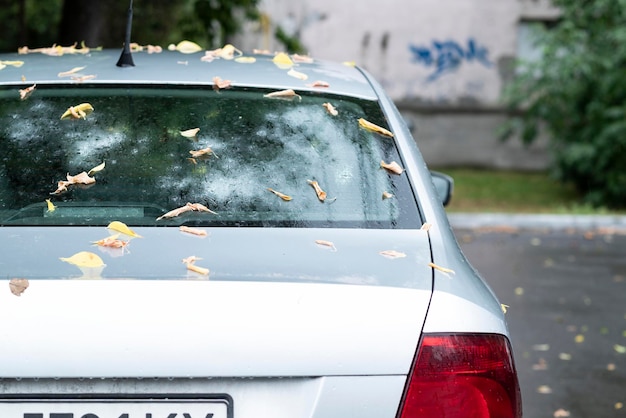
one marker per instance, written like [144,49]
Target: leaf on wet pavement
[544,389]
[18,286]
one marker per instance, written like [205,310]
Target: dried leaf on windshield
[321,194]
[70,72]
[283,94]
[96,169]
[441,269]
[297,74]
[25,93]
[78,112]
[374,128]
[193,231]
[18,286]
[51,207]
[189,262]
[205,152]
[387,195]
[220,83]
[282,61]
[281,195]
[392,254]
[122,228]
[190,133]
[81,178]
[189,207]
[392,167]
[185,47]
[330,109]
[84,259]
[111,242]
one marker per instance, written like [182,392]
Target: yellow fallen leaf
[544,389]
[580,338]
[190,133]
[282,61]
[392,254]
[51,207]
[281,195]
[18,286]
[392,167]
[96,169]
[321,194]
[122,228]
[330,109]
[374,128]
[245,60]
[297,74]
[504,307]
[185,47]
[70,72]
[84,259]
[349,63]
[77,112]
[619,348]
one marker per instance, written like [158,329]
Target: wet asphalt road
[566,291]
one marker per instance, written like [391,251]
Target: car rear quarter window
[245,145]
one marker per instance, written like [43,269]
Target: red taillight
[463,375]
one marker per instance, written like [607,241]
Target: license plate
[219,407]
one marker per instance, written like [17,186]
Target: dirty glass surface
[257,143]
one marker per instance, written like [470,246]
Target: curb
[535,221]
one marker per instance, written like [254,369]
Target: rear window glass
[256,144]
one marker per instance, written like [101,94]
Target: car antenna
[126,59]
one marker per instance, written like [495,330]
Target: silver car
[224,235]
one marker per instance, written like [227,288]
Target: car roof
[172,67]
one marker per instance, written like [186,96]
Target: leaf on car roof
[297,74]
[189,207]
[18,286]
[122,228]
[374,128]
[189,262]
[58,50]
[305,59]
[97,169]
[321,194]
[112,241]
[82,78]
[78,112]
[84,259]
[193,231]
[204,152]
[70,72]
[281,195]
[25,93]
[283,94]
[392,254]
[440,268]
[219,83]
[150,49]
[330,109]
[319,83]
[282,61]
[325,243]
[185,47]
[392,167]
[190,133]
[245,60]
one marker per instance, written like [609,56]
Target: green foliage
[577,93]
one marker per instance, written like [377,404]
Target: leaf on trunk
[84,259]
[122,228]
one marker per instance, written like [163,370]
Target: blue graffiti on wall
[447,56]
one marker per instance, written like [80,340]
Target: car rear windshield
[87,155]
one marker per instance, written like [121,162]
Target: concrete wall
[444,62]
